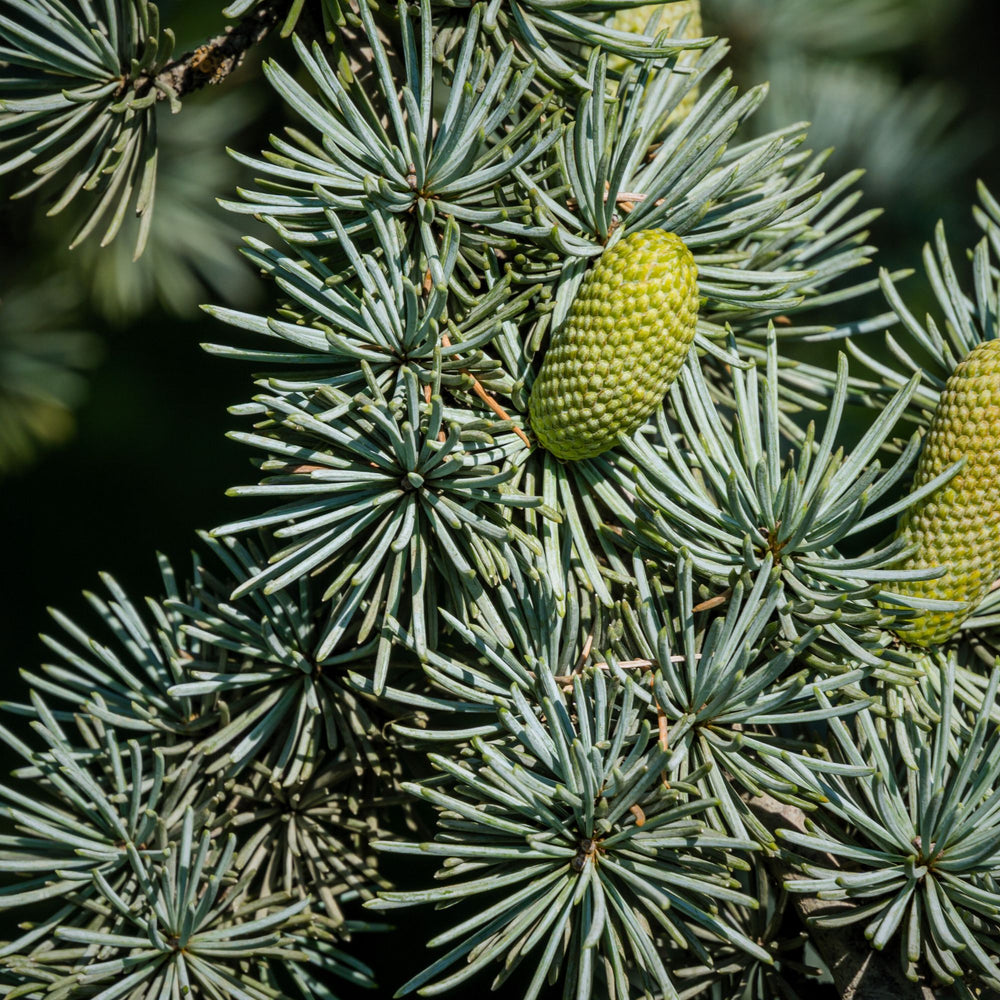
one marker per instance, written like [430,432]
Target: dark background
[148,464]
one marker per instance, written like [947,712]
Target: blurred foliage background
[112,417]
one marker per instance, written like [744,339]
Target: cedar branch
[859,972]
[211,62]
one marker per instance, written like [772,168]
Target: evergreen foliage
[75,94]
[641,706]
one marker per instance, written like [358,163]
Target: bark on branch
[859,972]
[213,61]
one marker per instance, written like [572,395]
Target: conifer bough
[957,526]
[624,341]
[584,668]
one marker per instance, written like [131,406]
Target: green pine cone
[958,525]
[635,20]
[624,340]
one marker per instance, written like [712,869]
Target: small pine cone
[624,340]
[958,525]
[635,19]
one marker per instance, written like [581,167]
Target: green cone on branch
[624,340]
[958,525]
[635,20]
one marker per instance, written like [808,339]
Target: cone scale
[624,340]
[958,525]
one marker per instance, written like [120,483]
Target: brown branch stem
[304,470]
[714,602]
[623,665]
[859,972]
[211,62]
[477,388]
[627,199]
